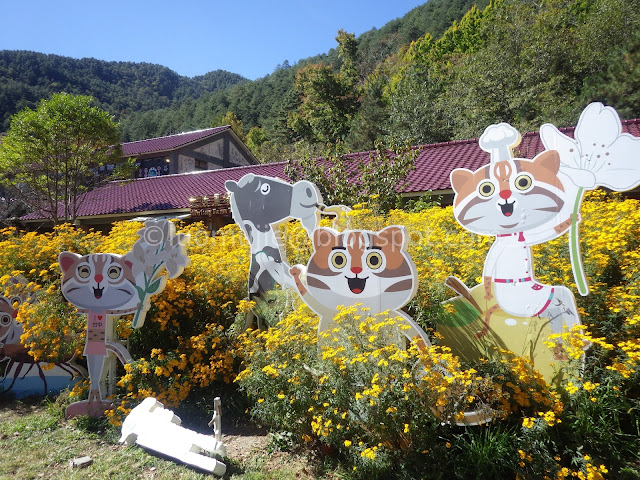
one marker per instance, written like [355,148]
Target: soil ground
[36,441]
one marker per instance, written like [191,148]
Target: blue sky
[249,37]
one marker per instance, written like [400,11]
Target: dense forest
[443,71]
[520,61]
[153,100]
[118,87]
[267,102]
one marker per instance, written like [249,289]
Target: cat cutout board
[105,286]
[372,269]
[158,429]
[259,205]
[522,202]
[21,374]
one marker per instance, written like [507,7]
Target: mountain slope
[266,101]
[118,87]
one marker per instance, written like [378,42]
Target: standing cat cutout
[106,285]
[360,267]
[99,285]
[520,203]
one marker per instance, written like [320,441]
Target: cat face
[508,196]
[372,268]
[7,316]
[97,282]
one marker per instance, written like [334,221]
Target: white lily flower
[157,250]
[600,155]
[600,148]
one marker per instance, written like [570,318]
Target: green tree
[53,154]
[329,98]
[376,177]
[369,124]
[232,120]
[255,138]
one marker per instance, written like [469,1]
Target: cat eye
[486,189]
[339,260]
[114,272]
[84,271]
[265,188]
[523,182]
[5,320]
[374,260]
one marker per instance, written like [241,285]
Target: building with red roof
[206,149]
[200,194]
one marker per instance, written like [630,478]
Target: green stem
[574,248]
[136,317]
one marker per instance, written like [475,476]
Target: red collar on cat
[520,235]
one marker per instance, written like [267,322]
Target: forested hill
[515,61]
[152,100]
[118,87]
[444,71]
[267,102]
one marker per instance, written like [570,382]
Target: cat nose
[505,194]
[356,270]
[98,278]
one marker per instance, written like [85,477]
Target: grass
[36,441]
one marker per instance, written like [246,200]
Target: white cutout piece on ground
[153,427]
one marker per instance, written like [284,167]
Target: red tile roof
[170,142]
[435,161]
[171,192]
[166,192]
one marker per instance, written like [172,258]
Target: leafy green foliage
[525,63]
[118,87]
[54,153]
[268,101]
[329,98]
[346,179]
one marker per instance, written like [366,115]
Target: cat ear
[231,186]
[549,160]
[66,259]
[323,237]
[393,236]
[459,178]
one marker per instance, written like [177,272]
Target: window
[201,165]
[152,167]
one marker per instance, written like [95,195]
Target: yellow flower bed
[370,401]
[362,397]
[184,346]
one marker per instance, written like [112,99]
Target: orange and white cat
[521,203]
[360,267]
